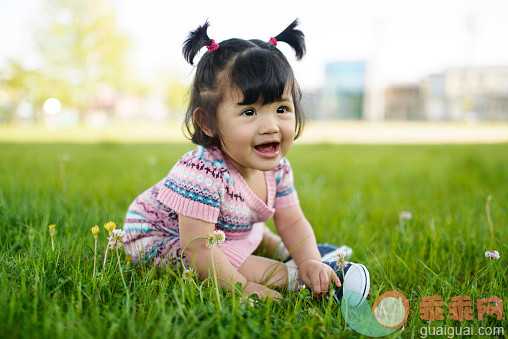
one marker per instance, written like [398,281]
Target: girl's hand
[317,275]
[262,291]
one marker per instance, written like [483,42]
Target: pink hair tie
[213,46]
[273,41]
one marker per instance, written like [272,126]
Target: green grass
[351,195]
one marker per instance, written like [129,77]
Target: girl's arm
[297,233]
[270,243]
[199,257]
[299,238]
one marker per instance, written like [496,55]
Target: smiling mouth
[269,149]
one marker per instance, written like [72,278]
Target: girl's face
[256,137]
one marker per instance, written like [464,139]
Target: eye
[249,112]
[282,109]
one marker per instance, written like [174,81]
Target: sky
[402,40]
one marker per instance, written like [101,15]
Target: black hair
[257,68]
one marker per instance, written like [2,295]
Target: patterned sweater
[204,185]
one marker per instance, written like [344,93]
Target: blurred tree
[176,96]
[80,45]
[32,86]
[82,52]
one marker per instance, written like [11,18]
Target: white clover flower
[405,215]
[215,238]
[210,241]
[246,300]
[341,261]
[65,157]
[188,274]
[492,255]
[116,239]
[152,160]
[220,237]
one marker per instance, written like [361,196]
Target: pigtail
[195,41]
[294,38]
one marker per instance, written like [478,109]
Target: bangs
[261,74]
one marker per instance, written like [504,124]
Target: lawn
[350,194]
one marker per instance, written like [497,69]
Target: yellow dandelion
[95,231]
[52,234]
[110,226]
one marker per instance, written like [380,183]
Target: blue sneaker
[355,281]
[328,252]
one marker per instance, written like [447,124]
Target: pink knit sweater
[204,185]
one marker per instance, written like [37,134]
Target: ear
[198,116]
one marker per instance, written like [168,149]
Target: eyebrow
[280,100]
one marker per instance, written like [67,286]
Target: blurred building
[403,102]
[433,94]
[456,94]
[344,90]
[467,93]
[312,104]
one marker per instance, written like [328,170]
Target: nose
[269,125]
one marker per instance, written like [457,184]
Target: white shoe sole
[356,284]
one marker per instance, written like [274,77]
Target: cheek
[235,137]
[288,128]
[227,129]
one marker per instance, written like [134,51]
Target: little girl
[244,114]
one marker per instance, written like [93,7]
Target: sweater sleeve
[193,188]
[285,195]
